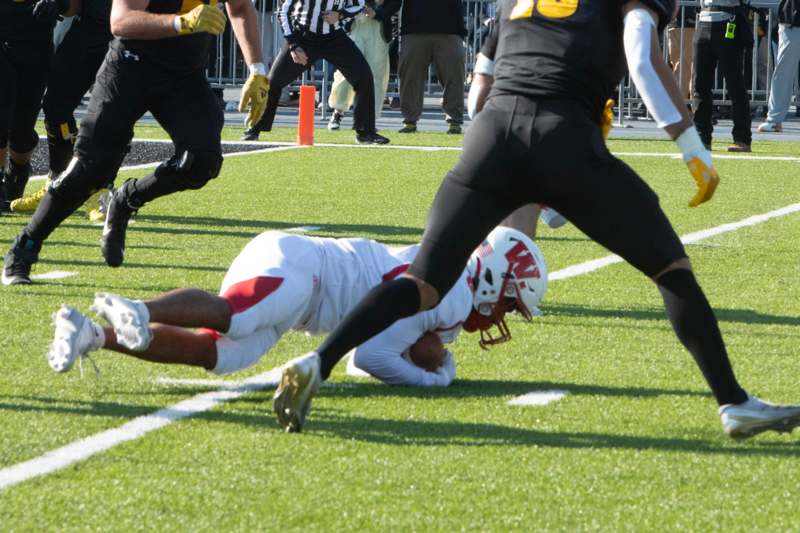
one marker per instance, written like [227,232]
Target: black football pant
[520,151]
[712,48]
[126,87]
[344,55]
[75,64]
[23,71]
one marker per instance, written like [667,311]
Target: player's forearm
[242,14]
[650,73]
[135,24]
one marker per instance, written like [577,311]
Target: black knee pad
[77,182]
[193,169]
[23,142]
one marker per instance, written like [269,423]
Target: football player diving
[156,63]
[538,140]
[282,281]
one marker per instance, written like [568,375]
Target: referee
[156,63]
[75,64]
[26,47]
[313,30]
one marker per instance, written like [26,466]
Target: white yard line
[139,426]
[538,398]
[281,148]
[54,274]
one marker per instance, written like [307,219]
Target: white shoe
[299,383]
[129,318]
[75,336]
[770,127]
[755,416]
[551,217]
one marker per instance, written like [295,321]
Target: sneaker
[98,206]
[739,147]
[75,336]
[371,137]
[454,129]
[770,127]
[250,135]
[112,243]
[16,179]
[28,204]
[755,416]
[408,127]
[299,383]
[551,217]
[129,318]
[336,121]
[19,260]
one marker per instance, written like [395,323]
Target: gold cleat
[28,204]
[300,382]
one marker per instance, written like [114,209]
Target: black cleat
[19,260]
[250,135]
[408,127]
[454,129]
[112,243]
[371,137]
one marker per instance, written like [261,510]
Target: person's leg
[785,73]
[448,60]
[473,198]
[376,52]
[171,345]
[524,219]
[341,93]
[116,104]
[284,70]
[31,61]
[730,63]
[704,64]
[8,96]
[345,55]
[415,55]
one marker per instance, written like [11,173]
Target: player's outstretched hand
[203,18]
[698,159]
[254,95]
[48,11]
[706,178]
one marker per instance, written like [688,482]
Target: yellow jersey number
[554,9]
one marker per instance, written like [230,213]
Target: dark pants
[75,64]
[126,87]
[23,71]
[712,48]
[520,151]
[343,54]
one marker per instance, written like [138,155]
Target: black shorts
[521,151]
[23,71]
[75,64]
[126,87]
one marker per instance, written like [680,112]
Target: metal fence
[227,68]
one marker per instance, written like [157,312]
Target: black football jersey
[17,22]
[183,53]
[97,11]
[561,49]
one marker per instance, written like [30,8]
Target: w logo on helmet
[523,263]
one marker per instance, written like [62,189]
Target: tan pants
[682,63]
[446,52]
[366,33]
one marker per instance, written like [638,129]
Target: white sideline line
[538,398]
[232,154]
[55,274]
[691,238]
[303,229]
[139,426]
[78,451]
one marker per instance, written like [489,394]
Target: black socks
[696,326]
[380,308]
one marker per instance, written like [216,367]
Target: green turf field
[635,445]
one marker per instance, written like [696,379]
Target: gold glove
[608,118]
[203,18]
[706,178]
[254,94]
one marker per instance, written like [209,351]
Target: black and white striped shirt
[306,15]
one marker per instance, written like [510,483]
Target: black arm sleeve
[489,46]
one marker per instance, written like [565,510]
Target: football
[428,352]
